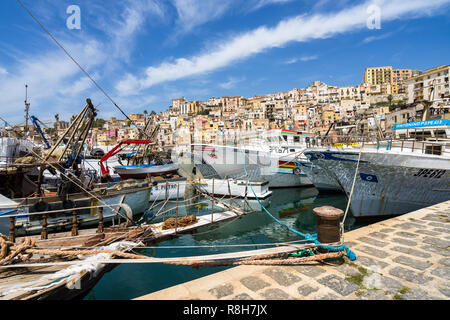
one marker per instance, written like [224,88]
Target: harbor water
[292,206]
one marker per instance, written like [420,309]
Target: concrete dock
[402,258]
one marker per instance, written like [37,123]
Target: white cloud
[192,13]
[309,58]
[3,71]
[375,38]
[231,83]
[262,3]
[297,29]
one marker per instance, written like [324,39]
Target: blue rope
[7,212]
[313,237]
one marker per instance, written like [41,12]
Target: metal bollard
[328,224]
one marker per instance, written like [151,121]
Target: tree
[390,99]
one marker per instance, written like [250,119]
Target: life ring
[297,171]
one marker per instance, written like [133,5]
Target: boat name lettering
[430,173]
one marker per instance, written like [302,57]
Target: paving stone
[351,244]
[409,275]
[242,296]
[254,283]
[442,251]
[441,272]
[411,251]
[404,242]
[378,235]
[387,230]
[371,295]
[445,290]
[413,263]
[371,263]
[417,294]
[445,261]
[406,234]
[439,225]
[341,286]
[431,217]
[374,242]
[347,270]
[282,276]
[408,225]
[222,291]
[383,283]
[310,271]
[437,242]
[427,232]
[328,296]
[305,290]
[443,230]
[275,294]
[373,252]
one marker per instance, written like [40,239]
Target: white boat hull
[261,165]
[387,183]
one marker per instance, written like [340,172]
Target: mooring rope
[312,237]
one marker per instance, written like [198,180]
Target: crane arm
[117,149]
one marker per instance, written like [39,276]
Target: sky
[144,53]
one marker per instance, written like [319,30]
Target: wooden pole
[212,203]
[44,233]
[165,200]
[100,220]
[12,229]
[74,223]
[176,209]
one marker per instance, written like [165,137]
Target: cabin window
[284,138]
[433,149]
[292,150]
[440,134]
[296,139]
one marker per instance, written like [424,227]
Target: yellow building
[378,75]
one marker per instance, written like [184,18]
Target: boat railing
[433,146]
[14,213]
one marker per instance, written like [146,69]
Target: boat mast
[27,108]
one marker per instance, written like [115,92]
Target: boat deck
[402,258]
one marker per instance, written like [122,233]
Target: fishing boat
[135,194]
[394,176]
[157,163]
[271,155]
[143,171]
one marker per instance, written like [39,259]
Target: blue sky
[146,52]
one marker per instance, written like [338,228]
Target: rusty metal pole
[12,229]
[176,212]
[212,203]
[100,220]
[74,224]
[328,224]
[44,233]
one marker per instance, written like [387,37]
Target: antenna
[27,108]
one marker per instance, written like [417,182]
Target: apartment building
[431,86]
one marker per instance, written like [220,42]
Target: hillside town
[385,97]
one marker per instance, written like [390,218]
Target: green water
[292,206]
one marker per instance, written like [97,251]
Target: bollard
[100,220]
[44,233]
[74,224]
[328,224]
[12,229]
